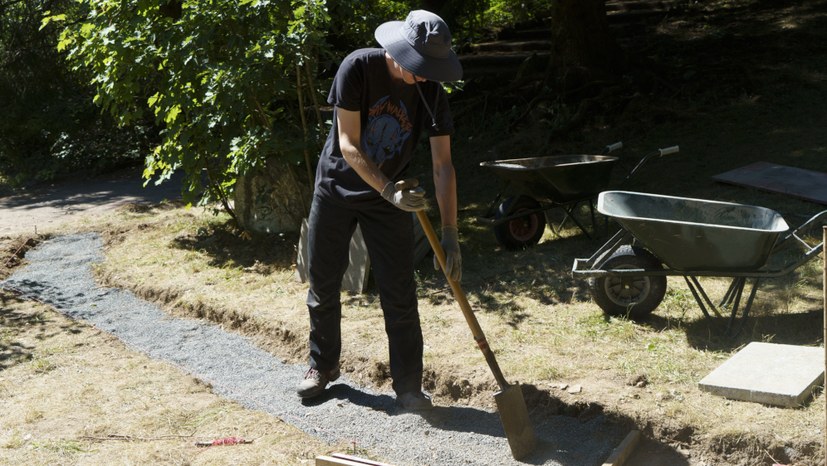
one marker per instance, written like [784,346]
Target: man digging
[383,100]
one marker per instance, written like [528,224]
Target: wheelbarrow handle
[658,153]
[613,147]
[669,150]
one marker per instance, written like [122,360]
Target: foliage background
[49,125]
[215,89]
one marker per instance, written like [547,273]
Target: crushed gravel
[59,273]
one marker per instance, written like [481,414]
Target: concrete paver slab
[792,181]
[768,373]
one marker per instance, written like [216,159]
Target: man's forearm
[365,167]
[445,184]
[350,127]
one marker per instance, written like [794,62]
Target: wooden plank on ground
[340,459]
[622,452]
[331,461]
[360,460]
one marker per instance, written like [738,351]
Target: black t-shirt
[393,118]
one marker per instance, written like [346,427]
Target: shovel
[510,402]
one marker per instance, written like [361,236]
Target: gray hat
[422,45]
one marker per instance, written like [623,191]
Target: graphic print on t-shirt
[387,130]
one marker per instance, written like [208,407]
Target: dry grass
[74,395]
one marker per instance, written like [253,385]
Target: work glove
[453,258]
[405,194]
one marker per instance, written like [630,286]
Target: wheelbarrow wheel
[634,297]
[521,231]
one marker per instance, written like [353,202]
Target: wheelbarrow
[538,185]
[664,236]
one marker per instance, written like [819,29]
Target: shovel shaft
[459,295]
[510,402]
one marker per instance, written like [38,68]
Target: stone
[358,269]
[357,276]
[768,373]
[271,200]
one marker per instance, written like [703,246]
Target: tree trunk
[583,49]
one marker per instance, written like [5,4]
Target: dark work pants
[388,234]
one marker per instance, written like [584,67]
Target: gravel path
[59,273]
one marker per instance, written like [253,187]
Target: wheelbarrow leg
[568,210]
[700,296]
[731,298]
[747,307]
[730,294]
[736,302]
[555,229]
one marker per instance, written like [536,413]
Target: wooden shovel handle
[459,295]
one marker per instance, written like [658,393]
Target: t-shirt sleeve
[348,84]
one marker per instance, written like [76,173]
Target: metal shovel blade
[514,417]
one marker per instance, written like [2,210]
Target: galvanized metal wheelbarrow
[537,185]
[664,236]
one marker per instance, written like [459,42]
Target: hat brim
[431,68]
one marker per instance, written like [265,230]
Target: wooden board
[340,459]
[797,182]
[624,450]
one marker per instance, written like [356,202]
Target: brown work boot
[414,401]
[315,381]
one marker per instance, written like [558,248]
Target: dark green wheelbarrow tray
[664,236]
[534,186]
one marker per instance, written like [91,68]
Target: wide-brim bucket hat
[422,45]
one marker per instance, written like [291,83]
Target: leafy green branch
[222,81]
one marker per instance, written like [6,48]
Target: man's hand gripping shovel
[510,402]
